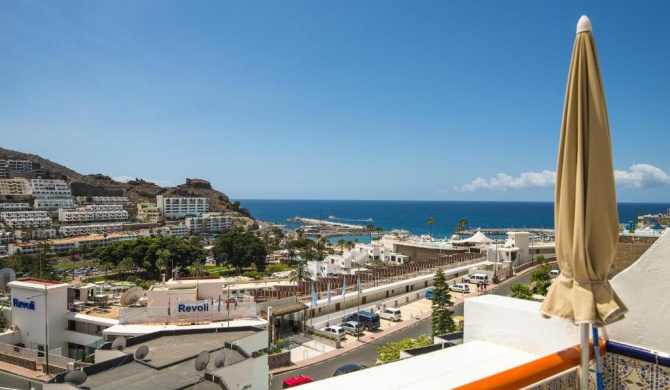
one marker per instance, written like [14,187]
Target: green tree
[162,260]
[390,352]
[521,291]
[300,274]
[124,266]
[3,321]
[341,243]
[239,249]
[370,228]
[441,319]
[430,222]
[460,226]
[541,278]
[197,268]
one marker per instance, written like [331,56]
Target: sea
[412,215]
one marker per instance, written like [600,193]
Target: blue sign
[189,308]
[23,305]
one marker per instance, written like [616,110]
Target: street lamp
[46,325]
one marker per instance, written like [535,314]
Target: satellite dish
[76,377]
[141,352]
[202,360]
[220,360]
[131,296]
[119,343]
[6,276]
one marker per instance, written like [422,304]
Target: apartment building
[17,165]
[35,234]
[14,206]
[180,230]
[180,207]
[28,223]
[100,200]
[82,230]
[148,212]
[47,187]
[23,214]
[14,166]
[15,186]
[89,214]
[53,203]
[209,222]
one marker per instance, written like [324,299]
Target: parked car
[460,287]
[430,293]
[352,327]
[347,368]
[296,381]
[336,330]
[476,278]
[554,273]
[390,313]
[370,321]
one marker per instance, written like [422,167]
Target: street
[367,354]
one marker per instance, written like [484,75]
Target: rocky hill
[136,190]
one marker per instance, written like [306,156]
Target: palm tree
[162,260]
[197,267]
[461,225]
[430,222]
[300,274]
[379,230]
[370,228]
[341,243]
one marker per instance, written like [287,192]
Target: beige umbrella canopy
[585,211]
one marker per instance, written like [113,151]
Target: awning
[288,309]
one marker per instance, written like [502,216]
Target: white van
[477,278]
[554,273]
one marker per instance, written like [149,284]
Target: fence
[31,359]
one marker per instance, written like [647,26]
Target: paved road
[8,381]
[367,354]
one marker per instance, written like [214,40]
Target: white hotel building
[82,230]
[15,186]
[53,203]
[180,207]
[93,213]
[45,187]
[209,222]
[26,219]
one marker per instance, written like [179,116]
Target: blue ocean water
[412,215]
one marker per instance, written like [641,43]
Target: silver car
[336,330]
[354,328]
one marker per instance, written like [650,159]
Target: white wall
[31,323]
[643,289]
[517,324]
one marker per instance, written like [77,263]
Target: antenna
[75,377]
[202,360]
[141,352]
[119,343]
[131,296]
[220,359]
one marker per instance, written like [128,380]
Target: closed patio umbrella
[585,210]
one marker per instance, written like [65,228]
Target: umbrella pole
[584,347]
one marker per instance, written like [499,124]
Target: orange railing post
[533,372]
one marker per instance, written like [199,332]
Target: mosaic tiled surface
[619,373]
[623,373]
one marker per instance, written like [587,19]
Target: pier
[504,231]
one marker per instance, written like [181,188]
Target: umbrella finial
[584,24]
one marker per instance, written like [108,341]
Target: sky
[401,100]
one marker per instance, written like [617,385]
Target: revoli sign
[23,304]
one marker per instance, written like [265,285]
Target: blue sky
[416,100]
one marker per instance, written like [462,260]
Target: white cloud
[505,182]
[637,176]
[126,179]
[642,176]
